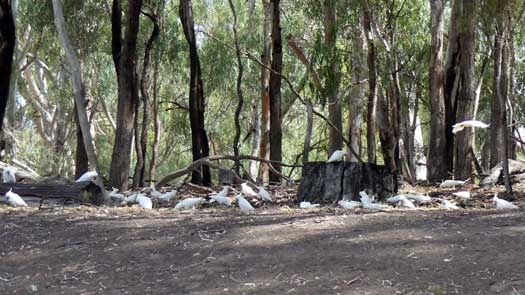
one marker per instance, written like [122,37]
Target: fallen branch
[208,161]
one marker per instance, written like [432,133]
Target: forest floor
[276,250]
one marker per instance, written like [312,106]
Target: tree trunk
[467,94]
[309,130]
[264,147]
[372,94]
[276,133]
[335,140]
[239,89]
[128,91]
[78,89]
[7,50]
[81,157]
[357,94]
[436,168]
[156,119]
[142,143]
[451,82]
[199,139]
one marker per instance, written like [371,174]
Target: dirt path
[116,251]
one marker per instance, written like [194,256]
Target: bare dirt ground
[87,250]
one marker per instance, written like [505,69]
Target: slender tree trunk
[142,138]
[372,94]
[81,157]
[7,50]
[78,89]
[276,133]
[264,147]
[357,94]
[239,89]
[451,82]
[199,139]
[309,130]
[436,168]
[156,120]
[467,94]
[335,140]
[128,91]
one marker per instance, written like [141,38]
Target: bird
[452,183]
[154,192]
[189,203]
[448,205]
[369,204]
[336,156]
[167,196]
[463,195]
[349,204]
[88,176]
[144,201]
[14,199]
[247,190]
[469,123]
[115,195]
[308,205]
[8,175]
[420,199]
[405,202]
[265,195]
[503,204]
[243,204]
[221,199]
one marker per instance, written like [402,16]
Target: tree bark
[467,94]
[128,91]
[451,82]
[372,94]
[264,147]
[78,89]
[436,168]
[156,120]
[335,140]
[276,133]
[199,139]
[7,50]
[239,89]
[140,167]
[357,94]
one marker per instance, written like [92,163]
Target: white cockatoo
[336,156]
[265,195]
[420,199]
[167,196]
[14,199]
[88,176]
[394,199]
[452,183]
[369,204]
[189,203]
[114,194]
[243,204]
[8,175]
[144,202]
[448,205]
[463,195]
[308,205]
[221,199]
[349,204]
[503,204]
[247,190]
[154,193]
[469,123]
[405,202]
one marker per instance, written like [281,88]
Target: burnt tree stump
[83,192]
[327,183]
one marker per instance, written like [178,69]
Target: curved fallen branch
[208,161]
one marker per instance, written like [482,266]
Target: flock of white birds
[144,198]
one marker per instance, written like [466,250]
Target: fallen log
[82,192]
[327,183]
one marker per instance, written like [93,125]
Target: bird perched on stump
[14,199]
[8,175]
[88,176]
[336,156]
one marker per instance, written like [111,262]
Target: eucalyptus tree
[7,49]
